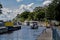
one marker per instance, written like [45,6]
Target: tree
[23,16]
[36,15]
[0,8]
[57,10]
[53,10]
[39,13]
[31,16]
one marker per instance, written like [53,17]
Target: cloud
[19,0]
[27,7]
[5,14]
[30,4]
[9,14]
[47,2]
[23,8]
[6,10]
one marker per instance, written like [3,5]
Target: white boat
[3,29]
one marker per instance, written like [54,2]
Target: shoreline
[45,35]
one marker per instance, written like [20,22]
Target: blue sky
[16,4]
[13,7]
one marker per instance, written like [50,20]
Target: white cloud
[23,8]
[6,14]
[5,10]
[9,14]
[19,0]
[47,2]
[30,4]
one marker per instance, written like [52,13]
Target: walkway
[46,35]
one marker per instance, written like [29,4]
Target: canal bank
[46,35]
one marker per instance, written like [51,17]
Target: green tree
[52,12]
[36,15]
[31,16]
[39,13]
[57,11]
[23,16]
[0,8]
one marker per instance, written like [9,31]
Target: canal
[56,34]
[25,33]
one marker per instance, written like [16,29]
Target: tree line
[50,12]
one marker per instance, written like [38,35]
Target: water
[58,31]
[56,34]
[24,34]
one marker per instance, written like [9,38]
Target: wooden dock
[46,35]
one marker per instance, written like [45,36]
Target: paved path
[46,35]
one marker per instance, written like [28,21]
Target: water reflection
[24,34]
[57,34]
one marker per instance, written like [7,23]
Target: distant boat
[2,27]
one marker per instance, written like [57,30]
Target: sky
[13,7]
[17,3]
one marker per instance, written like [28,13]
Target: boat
[12,26]
[17,25]
[2,27]
[33,24]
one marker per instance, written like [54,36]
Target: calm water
[23,34]
[56,34]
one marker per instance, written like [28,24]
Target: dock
[46,35]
